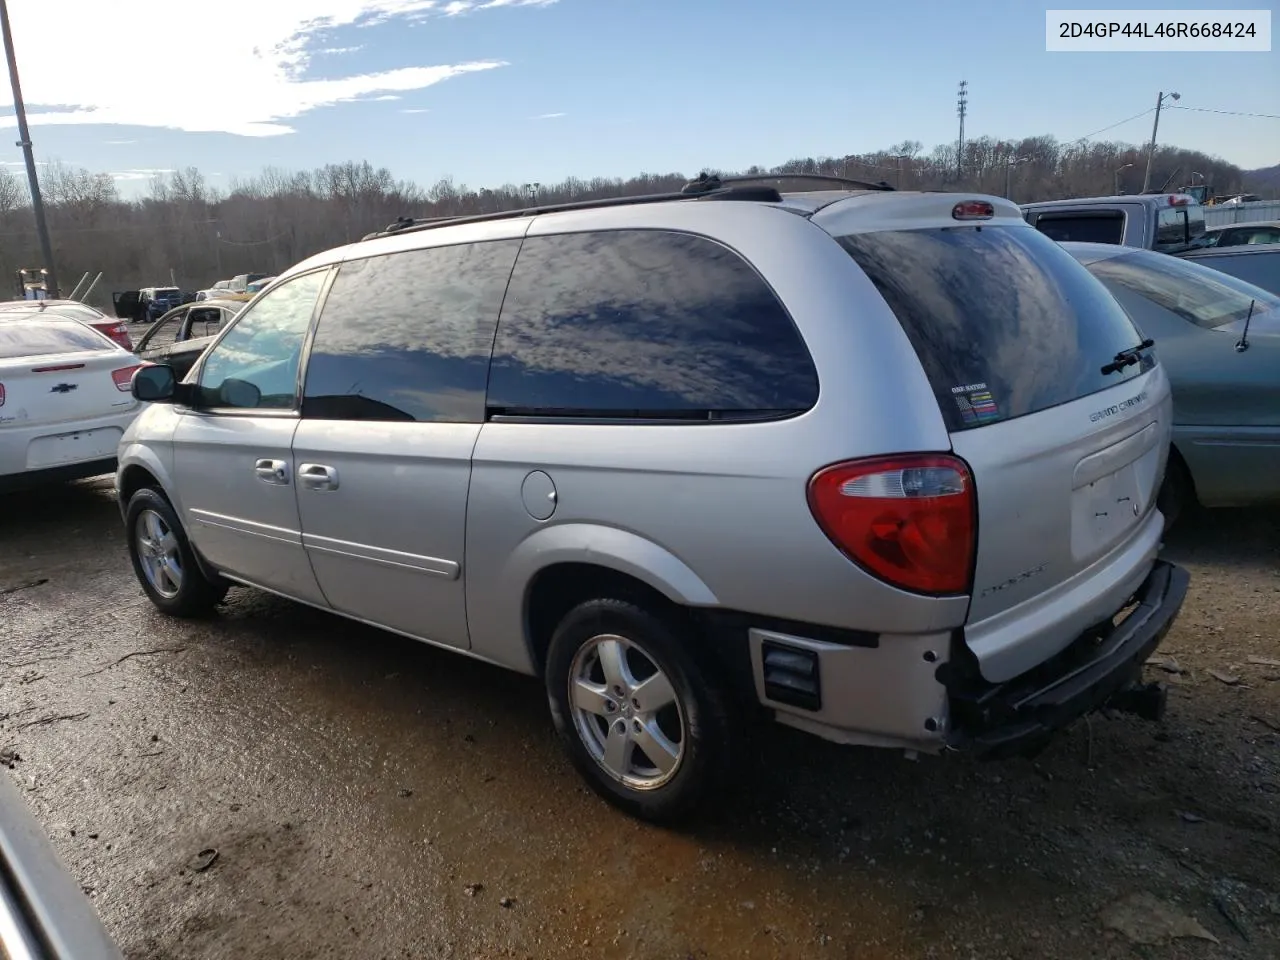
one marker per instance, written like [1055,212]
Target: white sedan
[65,400]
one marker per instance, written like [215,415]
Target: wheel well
[134,479]
[560,587]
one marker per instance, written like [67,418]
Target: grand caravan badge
[1118,408]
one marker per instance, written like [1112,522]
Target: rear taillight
[124,376]
[911,520]
[1,394]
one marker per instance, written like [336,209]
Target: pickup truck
[44,914]
[1167,222]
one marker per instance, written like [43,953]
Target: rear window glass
[18,339]
[1005,322]
[1084,227]
[1179,228]
[1252,266]
[1204,296]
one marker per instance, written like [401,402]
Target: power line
[1118,123]
[1229,113]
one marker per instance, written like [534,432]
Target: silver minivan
[881,466]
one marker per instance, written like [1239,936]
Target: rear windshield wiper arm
[1127,358]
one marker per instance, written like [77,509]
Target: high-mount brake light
[973,210]
[1178,201]
[911,520]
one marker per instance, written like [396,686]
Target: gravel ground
[371,797]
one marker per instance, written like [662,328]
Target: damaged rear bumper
[1101,668]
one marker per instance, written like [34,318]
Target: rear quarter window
[1005,322]
[645,324]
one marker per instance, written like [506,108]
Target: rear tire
[164,560]
[647,727]
[1177,495]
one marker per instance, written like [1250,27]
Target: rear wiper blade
[1127,358]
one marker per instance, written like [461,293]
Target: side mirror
[154,383]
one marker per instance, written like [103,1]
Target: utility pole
[962,107]
[24,141]
[1151,149]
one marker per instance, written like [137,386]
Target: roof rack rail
[709,182]
[403,224]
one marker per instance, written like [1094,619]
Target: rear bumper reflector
[791,675]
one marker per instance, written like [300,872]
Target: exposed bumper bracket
[1102,668]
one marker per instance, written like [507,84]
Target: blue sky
[494,91]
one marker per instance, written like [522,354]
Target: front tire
[648,728]
[164,561]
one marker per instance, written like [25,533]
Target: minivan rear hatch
[1066,446]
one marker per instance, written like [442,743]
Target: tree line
[186,232]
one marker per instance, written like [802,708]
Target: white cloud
[255,87]
[118,143]
[548,116]
[415,110]
[456,7]
[139,174]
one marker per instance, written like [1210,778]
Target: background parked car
[65,400]
[1226,386]
[180,336]
[1240,234]
[1258,264]
[1169,222]
[258,285]
[158,300]
[241,283]
[113,330]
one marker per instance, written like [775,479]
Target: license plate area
[72,447]
[1103,511]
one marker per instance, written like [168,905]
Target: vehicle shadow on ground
[1227,537]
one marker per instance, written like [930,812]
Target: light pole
[1008,172]
[900,157]
[24,141]
[1116,177]
[1151,150]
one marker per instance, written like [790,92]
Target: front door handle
[272,471]
[316,476]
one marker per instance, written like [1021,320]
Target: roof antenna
[1243,343]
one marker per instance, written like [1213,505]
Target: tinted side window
[256,363]
[407,336]
[1085,227]
[645,324]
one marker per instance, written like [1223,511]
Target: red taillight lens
[1,394]
[124,376]
[973,210]
[910,520]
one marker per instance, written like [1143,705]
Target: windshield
[1005,322]
[20,339]
[1202,295]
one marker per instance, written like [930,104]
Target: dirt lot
[370,797]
